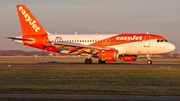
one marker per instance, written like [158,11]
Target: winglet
[29,24]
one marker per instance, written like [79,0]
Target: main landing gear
[88,61]
[149,62]
[101,62]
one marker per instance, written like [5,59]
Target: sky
[160,17]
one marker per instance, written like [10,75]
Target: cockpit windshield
[162,40]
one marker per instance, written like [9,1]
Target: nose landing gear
[149,62]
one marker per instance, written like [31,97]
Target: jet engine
[128,57]
[108,55]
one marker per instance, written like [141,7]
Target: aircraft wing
[77,47]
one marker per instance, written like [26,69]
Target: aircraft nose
[171,47]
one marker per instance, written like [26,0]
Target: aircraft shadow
[55,62]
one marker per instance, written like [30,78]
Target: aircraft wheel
[102,62]
[88,61]
[149,62]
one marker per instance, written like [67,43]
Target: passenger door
[147,41]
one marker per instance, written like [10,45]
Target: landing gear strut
[88,61]
[101,62]
[149,62]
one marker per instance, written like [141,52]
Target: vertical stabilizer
[29,24]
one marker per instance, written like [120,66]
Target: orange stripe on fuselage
[124,39]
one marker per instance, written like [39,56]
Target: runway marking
[98,97]
[91,65]
[165,67]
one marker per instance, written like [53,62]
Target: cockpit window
[162,40]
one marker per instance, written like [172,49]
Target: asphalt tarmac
[92,65]
[98,97]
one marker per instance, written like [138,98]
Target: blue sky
[159,17]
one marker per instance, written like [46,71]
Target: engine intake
[108,55]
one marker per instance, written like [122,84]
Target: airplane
[106,47]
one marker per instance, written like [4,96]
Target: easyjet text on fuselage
[129,38]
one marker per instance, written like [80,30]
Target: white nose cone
[171,47]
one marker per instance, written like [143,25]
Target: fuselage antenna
[147,32]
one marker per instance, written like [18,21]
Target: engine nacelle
[128,57]
[108,55]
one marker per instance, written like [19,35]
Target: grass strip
[90,80]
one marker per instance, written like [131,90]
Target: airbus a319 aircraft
[106,47]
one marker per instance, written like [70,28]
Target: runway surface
[92,65]
[98,97]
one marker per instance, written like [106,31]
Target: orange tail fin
[29,24]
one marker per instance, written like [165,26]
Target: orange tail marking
[29,24]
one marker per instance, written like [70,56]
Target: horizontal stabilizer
[15,38]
